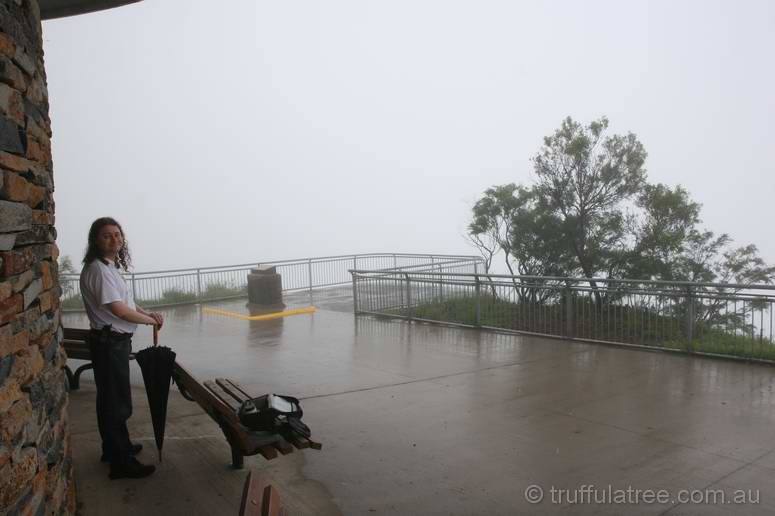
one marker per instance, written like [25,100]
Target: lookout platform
[425,419]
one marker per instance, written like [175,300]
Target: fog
[270,130]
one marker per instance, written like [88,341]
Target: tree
[490,228]
[509,220]
[663,233]
[66,267]
[584,178]
[714,261]
[592,213]
[492,225]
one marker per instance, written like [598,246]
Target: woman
[113,317]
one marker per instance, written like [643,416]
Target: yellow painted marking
[264,317]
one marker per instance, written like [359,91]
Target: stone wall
[35,467]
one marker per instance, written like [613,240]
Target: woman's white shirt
[101,285]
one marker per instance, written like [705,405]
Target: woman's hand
[159,318]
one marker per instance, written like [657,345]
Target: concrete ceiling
[61,8]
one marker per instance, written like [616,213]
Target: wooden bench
[220,399]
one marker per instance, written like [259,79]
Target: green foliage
[509,219]
[66,265]
[173,296]
[72,303]
[584,179]
[177,296]
[591,212]
[223,290]
[68,287]
[663,233]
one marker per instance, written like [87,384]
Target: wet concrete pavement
[423,419]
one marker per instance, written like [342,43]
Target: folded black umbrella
[157,363]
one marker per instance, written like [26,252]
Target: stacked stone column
[35,466]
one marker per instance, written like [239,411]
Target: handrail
[750,286]
[297,260]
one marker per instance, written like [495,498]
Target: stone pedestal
[265,289]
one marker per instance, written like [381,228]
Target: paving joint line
[429,379]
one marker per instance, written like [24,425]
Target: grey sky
[289,129]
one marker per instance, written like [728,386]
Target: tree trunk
[588,274]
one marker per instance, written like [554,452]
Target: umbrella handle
[155,334]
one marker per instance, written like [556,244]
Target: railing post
[433,283]
[441,283]
[689,320]
[199,284]
[400,289]
[395,261]
[355,294]
[570,325]
[309,275]
[134,288]
[478,319]
[408,297]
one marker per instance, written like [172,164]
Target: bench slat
[74,343]
[283,446]
[76,350]
[219,393]
[206,399]
[239,388]
[230,390]
[298,441]
[76,333]
[268,452]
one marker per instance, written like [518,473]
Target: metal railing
[703,318]
[184,286]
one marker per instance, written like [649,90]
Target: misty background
[272,130]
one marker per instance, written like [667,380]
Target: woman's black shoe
[132,469]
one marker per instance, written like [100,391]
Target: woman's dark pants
[110,357]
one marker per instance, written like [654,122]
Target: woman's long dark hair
[93,252]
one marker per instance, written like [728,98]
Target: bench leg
[237,459]
[76,382]
[70,380]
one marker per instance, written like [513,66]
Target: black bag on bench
[273,413]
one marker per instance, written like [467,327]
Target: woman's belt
[107,333]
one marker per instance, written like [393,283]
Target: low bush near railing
[173,296]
